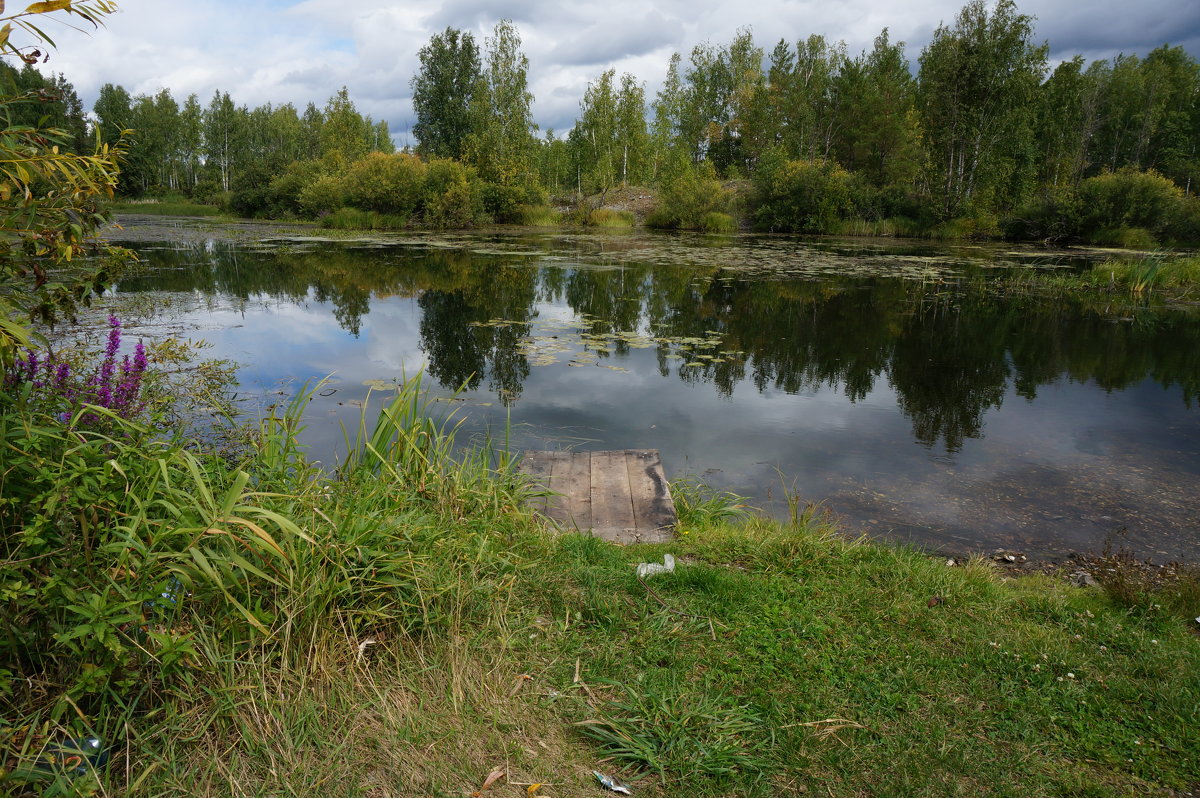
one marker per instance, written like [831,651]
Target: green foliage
[674,733]
[1051,216]
[716,222]
[289,187]
[391,184]
[1124,238]
[539,216]
[1127,198]
[323,195]
[977,225]
[50,202]
[501,144]
[453,195]
[1127,208]
[345,134]
[503,202]
[355,219]
[697,504]
[607,217]
[444,93]
[610,143]
[251,191]
[976,87]
[686,198]
[133,566]
[801,196]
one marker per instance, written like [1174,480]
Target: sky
[302,51]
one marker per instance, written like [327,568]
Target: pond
[899,385]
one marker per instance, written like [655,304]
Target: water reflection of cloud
[937,441]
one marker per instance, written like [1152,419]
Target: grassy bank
[170,206]
[245,625]
[1174,277]
[1163,277]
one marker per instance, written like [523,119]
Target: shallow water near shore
[897,384]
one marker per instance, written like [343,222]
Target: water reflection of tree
[950,353]
[458,334]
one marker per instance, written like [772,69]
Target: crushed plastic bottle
[609,783]
[75,757]
[645,569]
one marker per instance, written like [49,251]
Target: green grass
[1125,238]
[1175,276]
[538,216]
[809,662]
[355,219]
[404,626]
[170,206]
[715,222]
[898,227]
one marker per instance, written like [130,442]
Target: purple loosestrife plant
[59,389]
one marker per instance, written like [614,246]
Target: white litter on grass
[609,783]
[645,569]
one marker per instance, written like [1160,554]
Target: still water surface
[894,383]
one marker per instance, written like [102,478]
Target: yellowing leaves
[46,6]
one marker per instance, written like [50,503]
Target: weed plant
[538,216]
[354,219]
[715,222]
[606,217]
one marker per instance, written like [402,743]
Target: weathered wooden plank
[654,510]
[539,466]
[612,504]
[621,496]
[572,480]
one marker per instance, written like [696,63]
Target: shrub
[390,184]
[504,202]
[1052,216]
[686,198]
[1184,226]
[321,196]
[251,193]
[207,190]
[452,197]
[287,188]
[801,196]
[979,224]
[1124,237]
[1127,198]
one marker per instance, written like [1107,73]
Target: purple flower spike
[114,337]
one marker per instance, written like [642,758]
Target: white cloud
[285,51]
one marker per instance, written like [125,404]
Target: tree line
[978,137]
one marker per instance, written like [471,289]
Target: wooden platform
[620,496]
